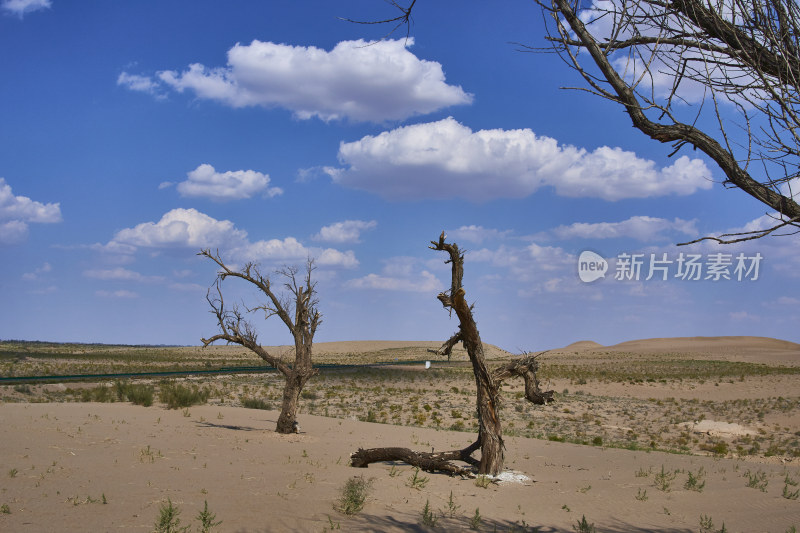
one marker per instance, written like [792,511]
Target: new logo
[591,266]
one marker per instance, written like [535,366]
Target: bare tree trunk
[291,397]
[490,433]
[295,381]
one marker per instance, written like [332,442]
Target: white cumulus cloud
[13,232]
[357,80]
[205,181]
[117,294]
[189,228]
[36,274]
[399,274]
[477,234]
[21,7]
[447,159]
[184,228]
[348,231]
[16,212]
[425,282]
[642,228]
[120,274]
[136,82]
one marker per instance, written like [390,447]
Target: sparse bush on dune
[136,393]
[177,396]
[256,403]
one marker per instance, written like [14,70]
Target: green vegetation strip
[652,370]
[170,373]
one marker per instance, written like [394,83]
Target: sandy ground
[69,456]
[110,467]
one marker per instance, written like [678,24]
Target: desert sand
[111,466]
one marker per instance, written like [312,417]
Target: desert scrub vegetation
[30,358]
[178,396]
[353,496]
[619,367]
[583,526]
[169,521]
[757,480]
[136,393]
[256,403]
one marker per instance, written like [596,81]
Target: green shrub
[178,396]
[100,394]
[256,403]
[354,496]
[207,519]
[695,481]
[429,517]
[137,394]
[168,521]
[583,526]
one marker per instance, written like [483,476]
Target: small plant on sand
[663,480]
[354,496]
[206,519]
[417,481]
[168,519]
[788,493]
[452,507]
[707,525]
[757,480]
[483,481]
[5,509]
[695,481]
[13,472]
[148,455]
[642,495]
[583,526]
[475,521]
[429,518]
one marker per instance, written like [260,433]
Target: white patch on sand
[510,476]
[718,429]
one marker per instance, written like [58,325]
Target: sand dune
[583,345]
[746,349]
[709,344]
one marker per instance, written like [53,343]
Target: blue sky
[133,134]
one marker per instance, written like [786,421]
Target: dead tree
[740,58]
[297,309]
[490,434]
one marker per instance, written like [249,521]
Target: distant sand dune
[764,350]
[583,345]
